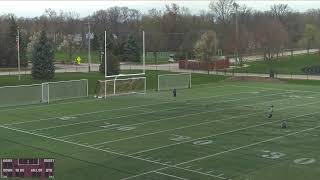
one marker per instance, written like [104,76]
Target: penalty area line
[224,152]
[170,175]
[103,150]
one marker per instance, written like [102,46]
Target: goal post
[143,63]
[177,81]
[61,90]
[116,86]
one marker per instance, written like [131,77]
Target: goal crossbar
[123,86]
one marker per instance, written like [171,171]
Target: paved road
[173,67]
[285,53]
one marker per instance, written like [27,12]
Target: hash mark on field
[124,116]
[170,175]
[220,175]
[130,107]
[219,134]
[205,122]
[223,152]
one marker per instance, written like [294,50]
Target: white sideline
[290,90]
[46,105]
[162,119]
[170,175]
[111,152]
[193,125]
[219,134]
[130,115]
[103,150]
[130,107]
[224,152]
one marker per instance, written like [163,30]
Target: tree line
[238,30]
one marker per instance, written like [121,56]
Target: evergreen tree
[113,65]
[11,44]
[113,57]
[131,51]
[42,59]
[23,49]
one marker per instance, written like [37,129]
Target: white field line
[163,119]
[124,108]
[290,90]
[193,125]
[56,104]
[144,113]
[45,105]
[169,175]
[102,150]
[224,152]
[219,134]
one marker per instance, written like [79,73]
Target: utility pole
[18,49]
[89,47]
[236,6]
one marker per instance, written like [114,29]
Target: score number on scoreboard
[27,168]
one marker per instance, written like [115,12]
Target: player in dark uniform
[174,92]
[284,125]
[270,112]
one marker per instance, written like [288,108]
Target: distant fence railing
[198,65]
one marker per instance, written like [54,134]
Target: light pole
[89,46]
[18,50]
[236,6]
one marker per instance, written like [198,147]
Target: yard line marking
[223,133]
[171,175]
[147,122]
[275,89]
[227,151]
[42,105]
[130,107]
[168,109]
[210,171]
[220,175]
[103,150]
[193,125]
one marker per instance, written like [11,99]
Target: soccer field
[215,131]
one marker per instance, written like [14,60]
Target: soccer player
[174,92]
[284,125]
[270,111]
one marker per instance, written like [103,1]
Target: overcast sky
[36,8]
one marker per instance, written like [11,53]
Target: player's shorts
[270,115]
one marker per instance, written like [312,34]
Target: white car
[171,58]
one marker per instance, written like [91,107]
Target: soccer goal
[20,95]
[116,86]
[170,81]
[60,90]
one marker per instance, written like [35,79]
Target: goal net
[112,87]
[20,95]
[170,81]
[53,91]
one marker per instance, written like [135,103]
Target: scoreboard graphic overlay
[27,168]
